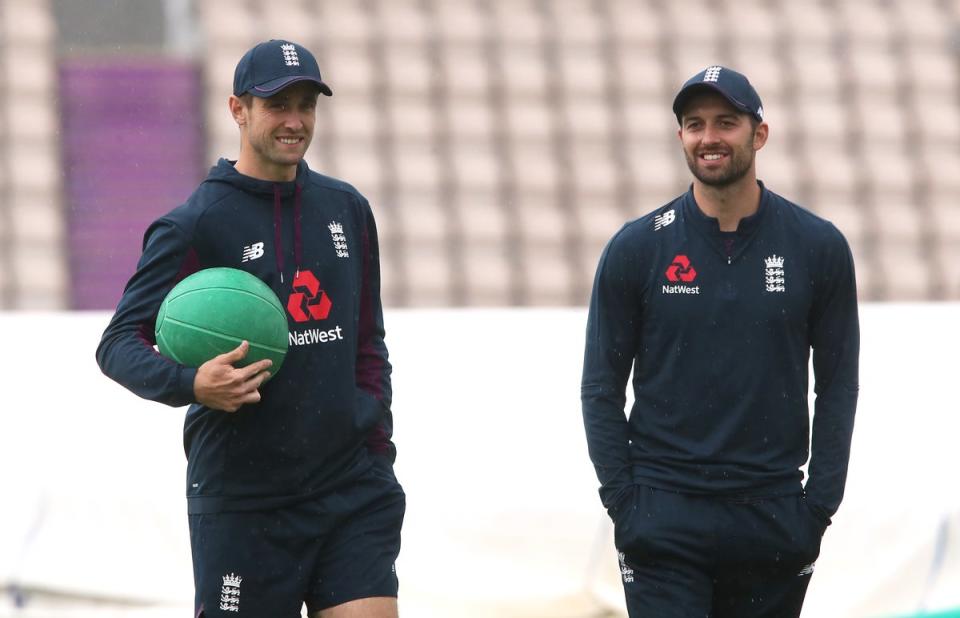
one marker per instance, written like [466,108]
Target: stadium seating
[502,142]
[33,242]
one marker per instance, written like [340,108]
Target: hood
[225,172]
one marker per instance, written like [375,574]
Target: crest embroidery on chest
[775,277]
[339,239]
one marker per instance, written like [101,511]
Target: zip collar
[709,227]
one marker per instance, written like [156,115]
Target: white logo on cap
[290,55]
[760,112]
[712,74]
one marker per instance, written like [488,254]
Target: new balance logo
[252,252]
[664,220]
[807,570]
[712,74]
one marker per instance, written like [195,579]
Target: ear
[238,110]
[760,135]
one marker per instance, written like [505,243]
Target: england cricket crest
[230,593]
[774,276]
[339,239]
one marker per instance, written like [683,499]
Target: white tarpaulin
[503,517]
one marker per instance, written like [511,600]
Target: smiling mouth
[712,156]
[290,141]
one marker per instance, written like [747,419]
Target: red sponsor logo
[681,270]
[308,301]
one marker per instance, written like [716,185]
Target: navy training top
[718,329]
[325,417]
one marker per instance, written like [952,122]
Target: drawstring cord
[277,220]
[277,236]
[297,243]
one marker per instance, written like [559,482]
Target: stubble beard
[738,167]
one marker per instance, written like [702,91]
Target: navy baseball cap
[270,67]
[735,87]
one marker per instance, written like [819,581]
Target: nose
[293,120]
[710,134]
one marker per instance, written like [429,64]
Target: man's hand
[221,386]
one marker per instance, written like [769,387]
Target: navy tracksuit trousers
[694,556]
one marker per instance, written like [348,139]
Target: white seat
[945,212]
[489,274]
[751,22]
[635,23]
[641,73]
[476,165]
[28,120]
[822,120]
[811,23]
[882,119]
[460,21]
[413,118]
[830,169]
[36,217]
[422,217]
[29,70]
[576,23]
[598,217]
[593,166]
[403,21]
[345,22]
[359,163]
[408,70]
[547,276]
[874,68]
[27,22]
[588,118]
[524,73]
[34,166]
[536,167]
[888,170]
[941,162]
[518,21]
[353,117]
[530,120]
[482,219]
[228,22]
[897,220]
[864,21]
[584,71]
[906,270]
[539,220]
[467,71]
[471,119]
[417,166]
[349,69]
[428,273]
[815,69]
[759,62]
[932,71]
[947,256]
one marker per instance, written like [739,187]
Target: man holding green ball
[291,494]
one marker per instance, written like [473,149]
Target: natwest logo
[308,301]
[681,270]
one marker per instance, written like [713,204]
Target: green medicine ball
[212,311]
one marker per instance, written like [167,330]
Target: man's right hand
[221,386]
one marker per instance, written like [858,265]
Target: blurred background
[501,143]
